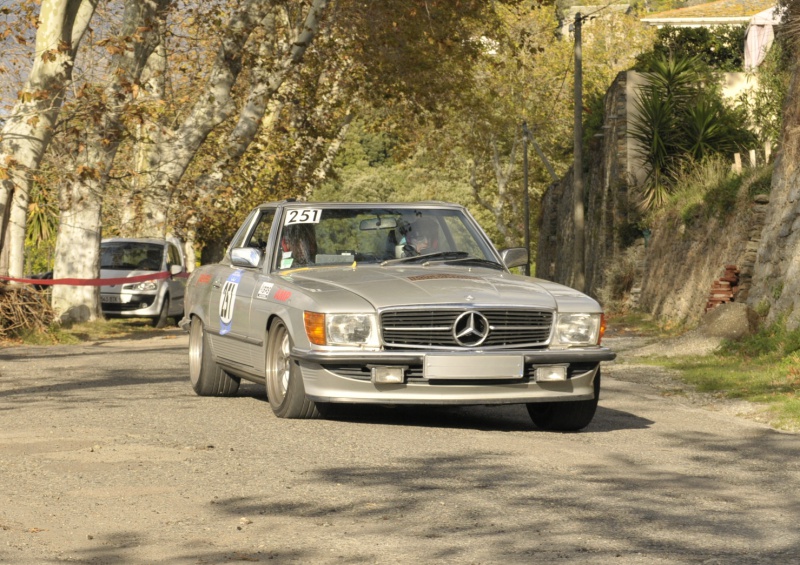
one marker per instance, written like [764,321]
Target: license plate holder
[457,367]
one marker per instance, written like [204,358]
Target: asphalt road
[107,456]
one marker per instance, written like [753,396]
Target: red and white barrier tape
[95,282]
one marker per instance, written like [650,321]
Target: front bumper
[345,377]
[130,305]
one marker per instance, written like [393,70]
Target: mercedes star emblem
[471,329]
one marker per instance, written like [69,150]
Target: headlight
[341,329]
[578,329]
[146,285]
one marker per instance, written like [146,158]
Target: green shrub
[764,104]
[760,181]
[709,188]
[773,341]
[720,200]
[720,47]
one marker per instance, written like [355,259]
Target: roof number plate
[304,216]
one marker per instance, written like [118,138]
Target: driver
[419,237]
[298,246]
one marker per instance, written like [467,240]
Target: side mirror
[245,257]
[514,257]
[175,270]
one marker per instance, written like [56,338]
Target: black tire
[207,378]
[565,416]
[333,410]
[177,318]
[285,390]
[163,316]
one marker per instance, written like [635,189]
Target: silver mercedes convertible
[331,304]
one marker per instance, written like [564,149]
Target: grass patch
[763,368]
[99,330]
[770,343]
[771,383]
[638,323]
[709,188]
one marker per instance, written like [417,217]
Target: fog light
[388,375]
[555,373]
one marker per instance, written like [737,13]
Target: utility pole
[577,167]
[526,199]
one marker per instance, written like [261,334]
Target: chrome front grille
[508,329]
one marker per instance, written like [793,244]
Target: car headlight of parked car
[578,329]
[342,329]
[146,285]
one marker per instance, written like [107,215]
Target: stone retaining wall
[606,203]
[682,262]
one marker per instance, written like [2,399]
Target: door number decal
[227,301]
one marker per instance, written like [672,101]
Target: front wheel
[285,390]
[208,378]
[565,416]
[161,320]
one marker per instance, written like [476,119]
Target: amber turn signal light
[602,328]
[315,327]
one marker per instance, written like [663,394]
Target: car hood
[391,286]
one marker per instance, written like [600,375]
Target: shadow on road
[510,418]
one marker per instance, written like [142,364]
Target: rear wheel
[285,390]
[208,379]
[565,416]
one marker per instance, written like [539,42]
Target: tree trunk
[77,251]
[504,201]
[29,128]
[170,159]
[148,134]
[78,242]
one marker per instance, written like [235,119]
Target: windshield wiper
[441,255]
[476,261]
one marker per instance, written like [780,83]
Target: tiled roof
[718,9]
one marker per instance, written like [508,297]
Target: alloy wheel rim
[195,351]
[284,362]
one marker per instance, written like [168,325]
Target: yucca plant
[42,217]
[40,234]
[709,129]
[679,79]
[656,128]
[680,120]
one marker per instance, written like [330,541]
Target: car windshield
[331,236]
[131,255]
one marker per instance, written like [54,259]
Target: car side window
[173,257]
[260,236]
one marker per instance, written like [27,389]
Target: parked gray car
[331,304]
[160,269]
